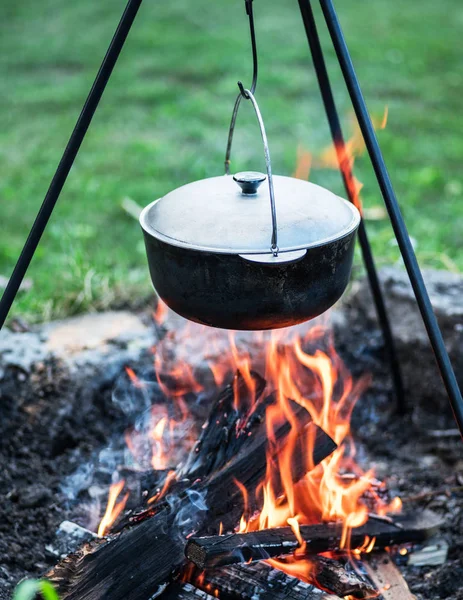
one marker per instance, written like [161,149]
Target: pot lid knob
[249,181]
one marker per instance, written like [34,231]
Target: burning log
[333,575]
[213,551]
[142,558]
[261,580]
[258,580]
[250,464]
[234,415]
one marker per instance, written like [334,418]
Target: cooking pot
[218,256]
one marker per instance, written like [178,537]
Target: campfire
[239,477]
[253,478]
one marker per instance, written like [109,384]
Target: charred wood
[140,560]
[249,468]
[214,551]
[257,581]
[184,591]
[339,578]
[228,422]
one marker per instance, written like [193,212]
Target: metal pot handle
[250,96]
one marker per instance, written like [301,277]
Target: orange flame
[170,477]
[306,373]
[159,459]
[161,312]
[133,377]
[340,156]
[320,383]
[113,510]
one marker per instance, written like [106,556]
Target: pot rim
[149,230]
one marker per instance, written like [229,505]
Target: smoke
[189,511]
[136,398]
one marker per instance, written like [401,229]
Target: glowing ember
[113,510]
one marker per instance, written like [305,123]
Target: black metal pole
[395,215]
[348,179]
[68,157]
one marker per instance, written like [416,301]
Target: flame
[307,376]
[161,312]
[133,378]
[340,156]
[159,458]
[113,510]
[171,476]
[320,383]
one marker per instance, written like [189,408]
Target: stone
[90,339]
[20,350]
[69,537]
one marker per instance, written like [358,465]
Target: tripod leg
[68,157]
[347,175]
[395,215]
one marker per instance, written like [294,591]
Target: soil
[52,421]
[47,428]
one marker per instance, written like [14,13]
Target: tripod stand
[367,129]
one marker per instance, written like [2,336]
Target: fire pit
[218,448]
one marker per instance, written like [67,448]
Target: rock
[33,496]
[425,391]
[20,350]
[69,537]
[109,338]
[93,331]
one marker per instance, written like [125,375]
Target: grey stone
[69,537]
[91,339]
[20,350]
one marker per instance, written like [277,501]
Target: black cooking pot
[217,256]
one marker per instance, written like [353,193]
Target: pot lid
[217,215]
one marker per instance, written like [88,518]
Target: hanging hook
[249,12]
[243,93]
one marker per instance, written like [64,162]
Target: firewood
[214,551]
[222,434]
[143,558]
[258,580]
[339,578]
[250,465]
[387,578]
[185,591]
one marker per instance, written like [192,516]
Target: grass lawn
[164,116]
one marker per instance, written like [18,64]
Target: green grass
[164,116]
